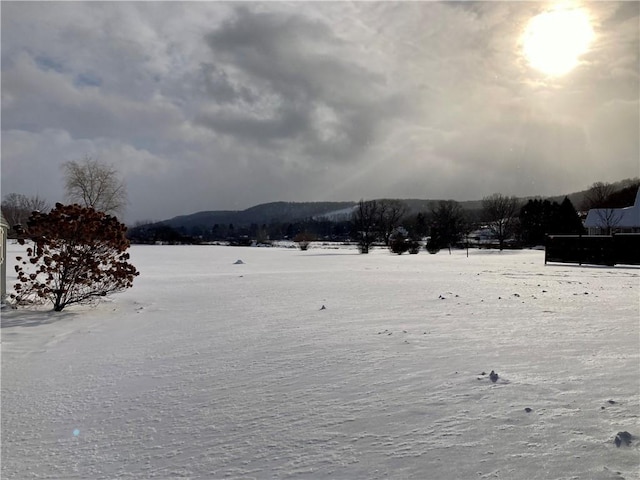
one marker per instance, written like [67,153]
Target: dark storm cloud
[220,88]
[291,79]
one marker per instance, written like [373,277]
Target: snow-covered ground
[208,369]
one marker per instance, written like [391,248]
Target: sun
[554,40]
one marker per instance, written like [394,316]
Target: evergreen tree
[568,219]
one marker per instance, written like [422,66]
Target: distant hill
[275,212]
[289,212]
[578,198]
[417,205]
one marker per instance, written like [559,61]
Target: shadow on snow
[15,318]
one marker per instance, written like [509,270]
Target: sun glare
[554,40]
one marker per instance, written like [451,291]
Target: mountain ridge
[283,212]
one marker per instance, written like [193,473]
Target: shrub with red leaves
[79,255]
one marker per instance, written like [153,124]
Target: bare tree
[500,212]
[94,184]
[304,239]
[598,195]
[609,218]
[35,203]
[390,213]
[12,209]
[364,225]
[17,207]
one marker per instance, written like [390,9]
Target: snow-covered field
[208,369]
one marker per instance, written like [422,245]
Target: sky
[226,105]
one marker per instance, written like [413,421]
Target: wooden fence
[620,248]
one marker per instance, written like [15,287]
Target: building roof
[627,217]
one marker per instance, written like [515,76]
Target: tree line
[448,225]
[389,223]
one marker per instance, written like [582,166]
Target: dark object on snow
[623,437]
[612,402]
[323,307]
[493,376]
[528,410]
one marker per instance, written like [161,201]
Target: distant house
[482,237]
[603,221]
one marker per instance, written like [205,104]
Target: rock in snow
[623,437]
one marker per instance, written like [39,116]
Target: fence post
[580,249]
[546,247]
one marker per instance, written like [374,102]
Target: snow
[627,217]
[210,370]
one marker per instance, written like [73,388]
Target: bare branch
[500,213]
[94,184]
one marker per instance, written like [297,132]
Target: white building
[621,220]
[482,237]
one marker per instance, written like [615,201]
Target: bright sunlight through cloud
[554,40]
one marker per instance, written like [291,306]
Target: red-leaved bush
[78,256]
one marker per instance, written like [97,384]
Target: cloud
[216,105]
[28,161]
[290,79]
[48,97]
